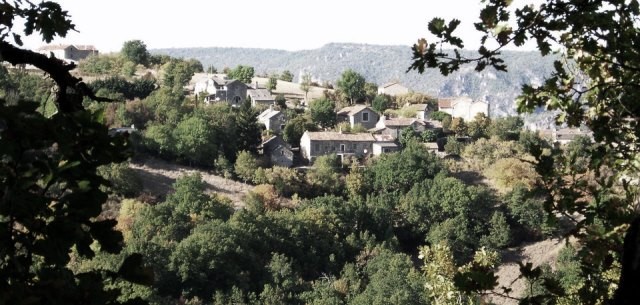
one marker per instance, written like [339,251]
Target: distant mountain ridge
[380,64]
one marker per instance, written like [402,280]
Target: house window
[281,126]
[317,147]
[365,117]
[354,146]
[342,147]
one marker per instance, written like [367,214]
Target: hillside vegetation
[380,64]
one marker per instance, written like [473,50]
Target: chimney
[256,84]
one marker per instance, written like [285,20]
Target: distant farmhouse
[563,136]
[358,114]
[421,110]
[273,120]
[393,89]
[260,97]
[68,52]
[278,152]
[463,107]
[220,89]
[394,126]
[315,144]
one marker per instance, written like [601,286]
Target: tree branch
[58,70]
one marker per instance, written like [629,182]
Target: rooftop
[268,113]
[351,110]
[337,136]
[259,94]
[52,47]
[417,107]
[449,102]
[399,122]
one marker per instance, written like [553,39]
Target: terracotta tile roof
[337,136]
[445,102]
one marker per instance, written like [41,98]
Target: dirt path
[158,176]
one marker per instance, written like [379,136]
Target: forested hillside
[381,64]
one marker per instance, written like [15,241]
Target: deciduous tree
[594,82]
[286,76]
[323,112]
[51,193]
[272,83]
[136,52]
[241,73]
[305,84]
[381,103]
[351,83]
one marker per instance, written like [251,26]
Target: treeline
[354,244]
[330,235]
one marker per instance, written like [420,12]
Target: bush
[453,146]
[124,180]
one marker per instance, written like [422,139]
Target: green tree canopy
[193,141]
[241,73]
[381,103]
[248,133]
[323,112]
[305,84]
[295,128]
[594,82]
[176,73]
[286,76]
[51,194]
[273,82]
[352,84]
[136,52]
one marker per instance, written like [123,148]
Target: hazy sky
[280,24]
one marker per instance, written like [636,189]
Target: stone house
[278,152]
[393,89]
[421,110]
[273,120]
[563,136]
[394,126]
[260,97]
[218,89]
[358,114]
[67,52]
[315,144]
[384,144]
[463,107]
